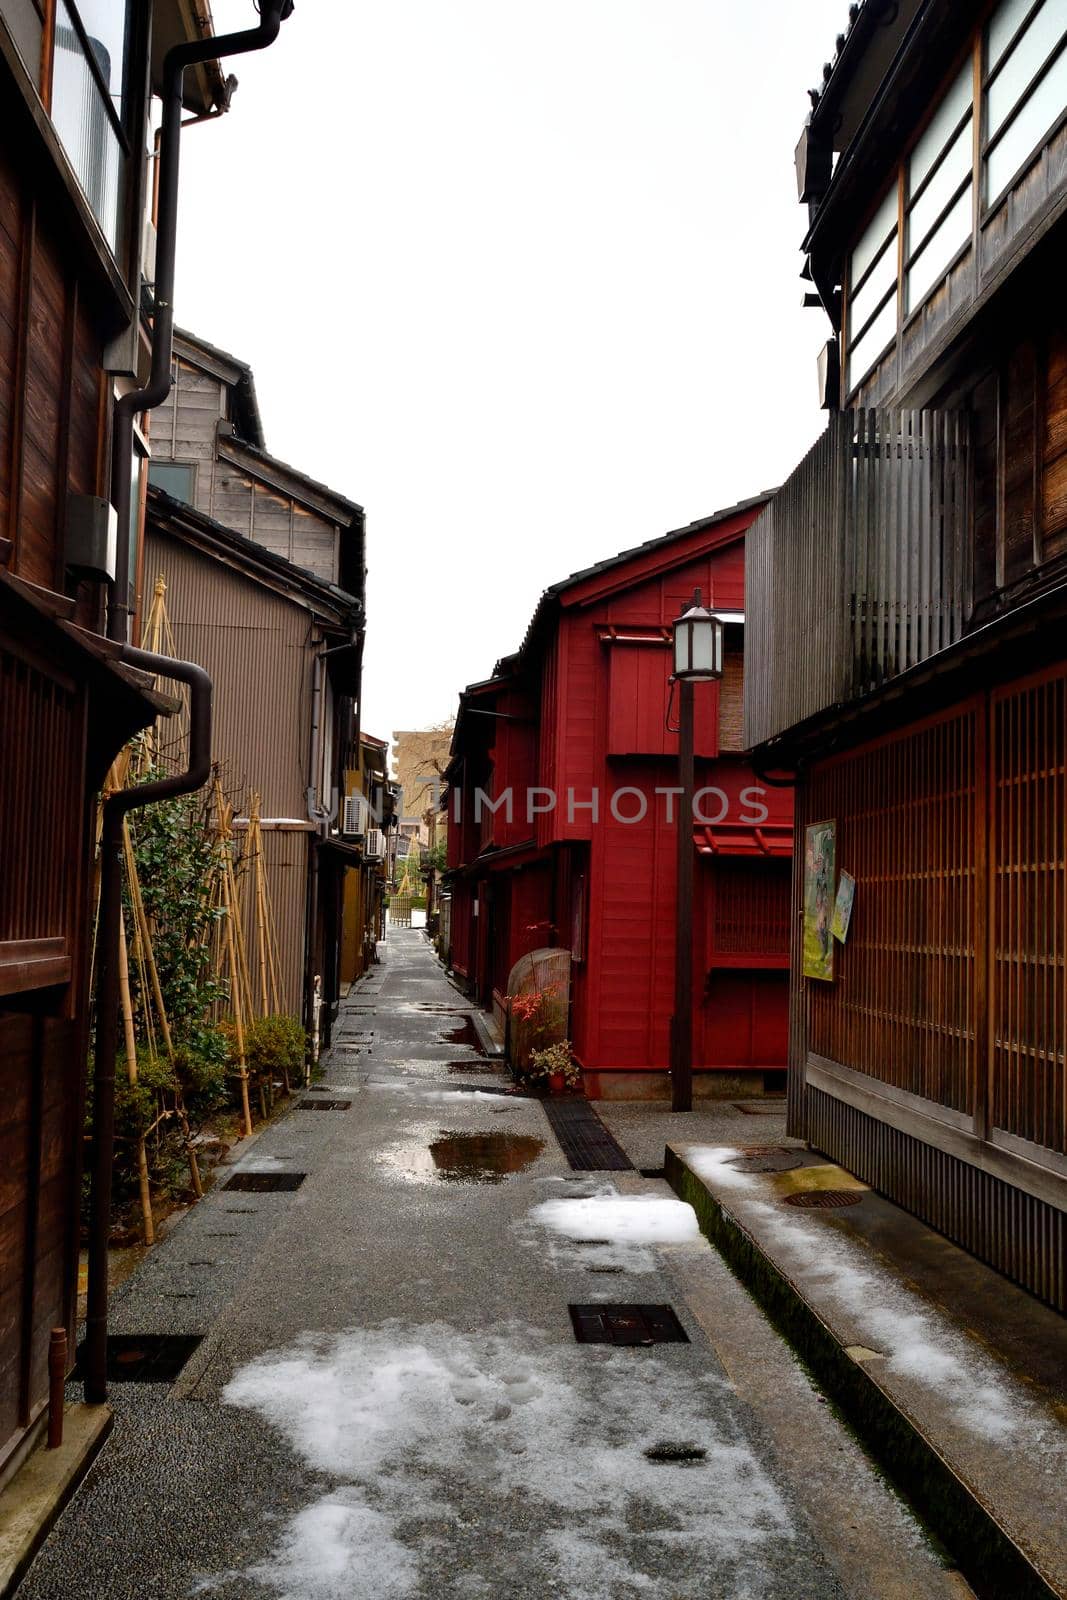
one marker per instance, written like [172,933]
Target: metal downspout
[116,808]
[131,405]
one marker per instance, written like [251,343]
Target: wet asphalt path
[389,1400]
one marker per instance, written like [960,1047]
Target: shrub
[555,1058]
[275,1044]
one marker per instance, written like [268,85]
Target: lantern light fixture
[698,644]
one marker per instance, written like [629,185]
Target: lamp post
[698,649]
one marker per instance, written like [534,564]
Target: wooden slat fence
[858,569]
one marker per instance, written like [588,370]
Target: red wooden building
[562,823]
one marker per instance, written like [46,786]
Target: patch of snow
[404,1419]
[914,1340]
[601,1228]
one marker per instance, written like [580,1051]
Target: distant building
[577,718]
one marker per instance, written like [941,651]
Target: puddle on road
[463,1033]
[465,1157]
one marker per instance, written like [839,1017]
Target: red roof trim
[769,839]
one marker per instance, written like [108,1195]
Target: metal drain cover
[653,1172]
[323,1105]
[760,1160]
[823,1199]
[626,1324]
[266,1182]
[676,1454]
[146,1357]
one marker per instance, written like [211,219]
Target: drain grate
[485,1067]
[266,1182]
[583,1138]
[653,1172]
[823,1199]
[777,1109]
[146,1357]
[323,1105]
[676,1454]
[626,1324]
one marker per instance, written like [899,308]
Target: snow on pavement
[439,1441]
[896,1322]
[610,1229]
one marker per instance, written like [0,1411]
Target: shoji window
[872,298]
[938,194]
[1026,85]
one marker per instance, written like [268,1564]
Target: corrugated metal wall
[256,647]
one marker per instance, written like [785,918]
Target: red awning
[745,839]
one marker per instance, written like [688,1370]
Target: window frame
[991,201]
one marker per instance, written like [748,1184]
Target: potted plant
[555,1064]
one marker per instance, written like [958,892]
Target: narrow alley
[388,1398]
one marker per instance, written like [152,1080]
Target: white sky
[522,279]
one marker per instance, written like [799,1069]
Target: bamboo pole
[131,1073]
[255,842]
[236,998]
[141,921]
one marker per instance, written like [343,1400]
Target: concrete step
[955,1378]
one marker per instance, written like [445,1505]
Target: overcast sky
[522,279]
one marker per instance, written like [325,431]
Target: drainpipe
[107,992]
[129,406]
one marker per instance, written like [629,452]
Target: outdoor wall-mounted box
[91,537]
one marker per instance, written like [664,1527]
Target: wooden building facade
[73,130]
[575,728]
[907,592]
[265,574]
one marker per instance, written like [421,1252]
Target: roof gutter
[129,406]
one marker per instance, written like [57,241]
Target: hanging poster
[846,894]
[819,875]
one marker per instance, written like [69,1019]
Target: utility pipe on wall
[107,989]
[129,406]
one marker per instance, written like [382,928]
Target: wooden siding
[51,361]
[187,428]
[857,569]
[257,648]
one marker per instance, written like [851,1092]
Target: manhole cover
[766,1161]
[676,1454]
[147,1357]
[323,1105]
[823,1199]
[626,1324]
[266,1182]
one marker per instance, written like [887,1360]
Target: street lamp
[698,651]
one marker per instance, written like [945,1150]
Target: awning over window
[774,839]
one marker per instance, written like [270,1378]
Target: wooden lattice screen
[1029,799]
[750,913]
[902,1005]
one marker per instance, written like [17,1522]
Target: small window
[1026,86]
[938,196]
[175,478]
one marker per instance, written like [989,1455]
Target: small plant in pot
[556,1066]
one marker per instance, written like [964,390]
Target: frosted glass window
[1004,24]
[875,235]
[930,264]
[955,168]
[1043,33]
[83,120]
[941,127]
[882,278]
[862,356]
[1025,133]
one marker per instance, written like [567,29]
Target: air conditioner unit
[354,819]
[374,844]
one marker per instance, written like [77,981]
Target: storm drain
[266,1182]
[823,1199]
[653,1172]
[626,1324]
[146,1357]
[583,1138]
[486,1068]
[676,1454]
[323,1105]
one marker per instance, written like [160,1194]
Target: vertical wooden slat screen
[39,740]
[1029,888]
[856,570]
[902,1004]
[750,909]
